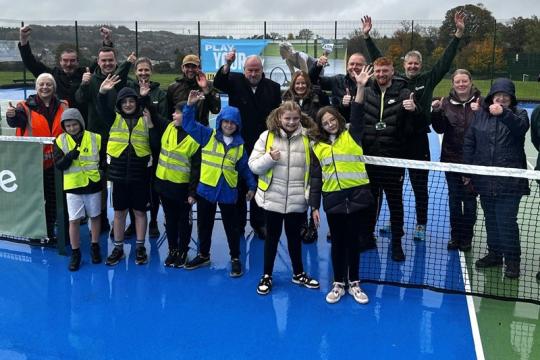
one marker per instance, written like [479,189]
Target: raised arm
[33,65]
[373,50]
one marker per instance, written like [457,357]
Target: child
[223,158]
[177,174]
[281,159]
[129,150]
[338,172]
[77,154]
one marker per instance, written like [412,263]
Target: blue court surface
[149,311]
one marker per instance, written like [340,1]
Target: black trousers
[390,181]
[206,213]
[177,224]
[256,214]
[345,229]
[462,206]
[417,148]
[49,190]
[274,226]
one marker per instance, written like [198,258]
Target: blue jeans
[502,229]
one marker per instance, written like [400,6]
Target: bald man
[255,96]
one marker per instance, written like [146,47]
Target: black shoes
[95,253]
[236,268]
[141,257]
[490,260]
[303,279]
[538,276]
[512,270]
[153,230]
[181,259]
[265,285]
[459,245]
[453,245]
[197,262]
[171,258]
[115,257]
[75,261]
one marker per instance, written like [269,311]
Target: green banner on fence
[22,208]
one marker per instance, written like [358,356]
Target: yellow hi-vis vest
[120,138]
[86,166]
[215,161]
[174,162]
[342,167]
[266,179]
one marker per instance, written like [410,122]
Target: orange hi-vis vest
[38,126]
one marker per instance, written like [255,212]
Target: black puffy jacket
[498,141]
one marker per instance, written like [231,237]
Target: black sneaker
[141,257]
[265,285]
[453,245]
[130,231]
[538,276]
[171,258]
[95,253]
[236,268]
[512,270]
[180,261]
[490,260]
[397,253]
[197,262]
[115,257]
[153,230]
[465,247]
[303,279]
[75,261]
[328,236]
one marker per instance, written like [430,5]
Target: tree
[305,34]
[479,24]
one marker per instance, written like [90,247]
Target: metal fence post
[136,38]
[24,71]
[335,39]
[493,50]
[77,37]
[264,29]
[412,35]
[199,38]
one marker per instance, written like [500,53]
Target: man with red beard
[388,109]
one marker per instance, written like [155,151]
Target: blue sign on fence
[213,52]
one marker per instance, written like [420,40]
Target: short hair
[383,61]
[144,60]
[69,51]
[413,53]
[286,46]
[107,49]
[259,59]
[46,76]
[357,54]
[461,72]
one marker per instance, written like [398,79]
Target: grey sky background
[244,10]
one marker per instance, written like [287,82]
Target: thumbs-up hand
[274,154]
[346,101]
[475,105]
[86,76]
[495,109]
[10,112]
[409,104]
[132,58]
[24,34]
[436,104]
[230,57]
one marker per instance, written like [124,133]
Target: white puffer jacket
[287,192]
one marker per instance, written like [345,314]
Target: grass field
[528,90]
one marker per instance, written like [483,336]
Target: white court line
[470,301]
[472,312]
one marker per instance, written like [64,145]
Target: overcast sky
[237,10]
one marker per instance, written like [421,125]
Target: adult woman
[452,116]
[40,116]
[310,101]
[496,137]
[341,177]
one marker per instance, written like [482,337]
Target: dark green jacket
[424,83]
[87,95]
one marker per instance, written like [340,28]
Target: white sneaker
[357,293]
[336,293]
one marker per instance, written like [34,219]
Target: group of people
[281,153]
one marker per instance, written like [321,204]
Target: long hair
[321,135]
[273,120]
[290,94]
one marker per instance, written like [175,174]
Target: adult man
[343,87]
[68,74]
[86,95]
[389,110]
[422,84]
[255,96]
[535,138]
[190,80]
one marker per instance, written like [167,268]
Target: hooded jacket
[498,140]
[222,192]
[453,119]
[63,161]
[128,167]
[157,96]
